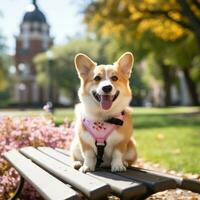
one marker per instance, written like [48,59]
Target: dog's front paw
[77,164]
[118,168]
[86,168]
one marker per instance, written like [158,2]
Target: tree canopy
[169,20]
[167,31]
[3,65]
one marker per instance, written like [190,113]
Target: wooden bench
[50,172]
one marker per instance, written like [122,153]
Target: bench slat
[64,151]
[123,187]
[154,182]
[91,187]
[57,155]
[48,186]
[188,184]
[192,185]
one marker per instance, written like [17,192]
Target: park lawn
[168,136]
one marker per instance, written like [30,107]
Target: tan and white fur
[120,150]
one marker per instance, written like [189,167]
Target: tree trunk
[198,38]
[167,83]
[74,97]
[193,19]
[192,87]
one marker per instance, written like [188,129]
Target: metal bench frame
[53,166]
[18,189]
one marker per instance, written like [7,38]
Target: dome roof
[33,14]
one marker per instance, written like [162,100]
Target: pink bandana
[100,130]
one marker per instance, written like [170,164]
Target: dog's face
[105,87]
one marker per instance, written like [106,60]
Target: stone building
[34,37]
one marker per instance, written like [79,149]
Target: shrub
[17,133]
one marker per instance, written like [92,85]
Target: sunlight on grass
[64,114]
[176,149]
[169,138]
[169,110]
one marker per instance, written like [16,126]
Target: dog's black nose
[107,88]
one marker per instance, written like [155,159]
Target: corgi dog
[103,119]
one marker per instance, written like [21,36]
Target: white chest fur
[113,139]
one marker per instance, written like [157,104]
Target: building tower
[34,37]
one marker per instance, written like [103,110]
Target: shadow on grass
[142,121]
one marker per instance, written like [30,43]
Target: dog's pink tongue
[106,101]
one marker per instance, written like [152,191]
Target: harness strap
[100,132]
[100,152]
[115,120]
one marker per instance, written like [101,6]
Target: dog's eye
[97,78]
[114,78]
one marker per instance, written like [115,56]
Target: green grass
[168,136]
[61,114]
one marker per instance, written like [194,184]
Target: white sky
[64,17]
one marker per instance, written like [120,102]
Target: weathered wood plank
[154,182]
[64,151]
[48,186]
[91,187]
[183,183]
[122,187]
[65,159]
[192,185]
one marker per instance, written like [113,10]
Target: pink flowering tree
[17,133]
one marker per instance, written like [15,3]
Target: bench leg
[18,189]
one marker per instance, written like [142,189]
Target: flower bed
[17,133]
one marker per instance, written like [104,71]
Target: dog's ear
[84,65]
[125,63]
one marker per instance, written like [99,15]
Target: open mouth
[105,101]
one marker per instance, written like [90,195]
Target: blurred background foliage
[5,61]
[163,35]
[63,59]
[165,31]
